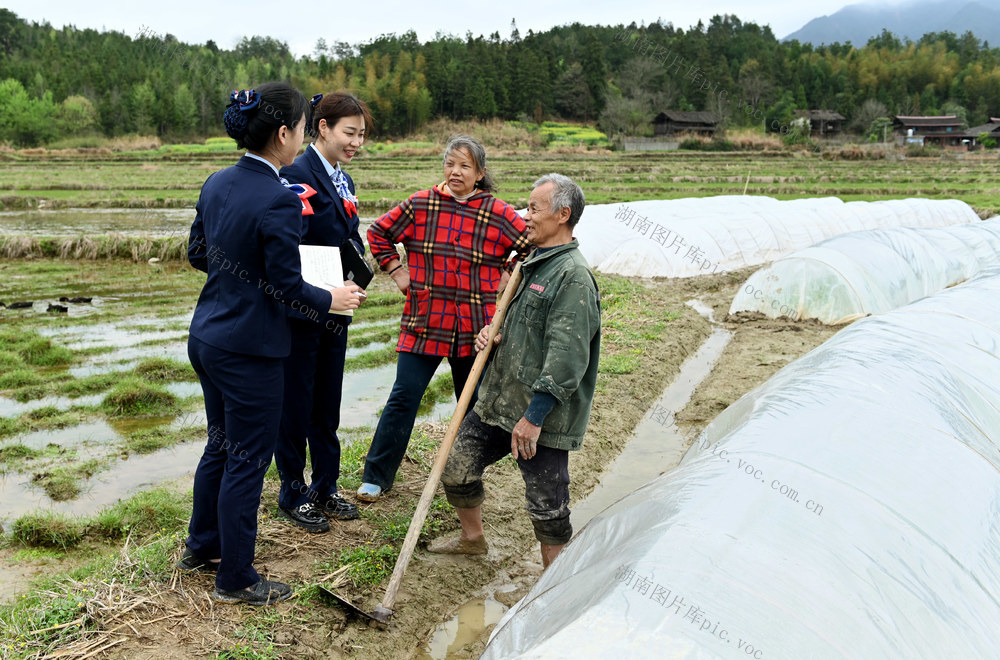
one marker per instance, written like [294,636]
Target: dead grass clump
[82,247]
[756,142]
[493,133]
[20,247]
[17,202]
[845,152]
[135,143]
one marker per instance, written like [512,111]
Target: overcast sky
[301,24]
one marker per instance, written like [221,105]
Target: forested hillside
[64,82]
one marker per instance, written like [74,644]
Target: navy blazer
[329,224]
[245,235]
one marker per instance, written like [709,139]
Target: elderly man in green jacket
[536,395]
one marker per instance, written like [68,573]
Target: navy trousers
[243,406]
[314,378]
[413,374]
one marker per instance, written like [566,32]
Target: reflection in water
[464,627]
[12,408]
[125,477]
[656,445]
[97,222]
[365,392]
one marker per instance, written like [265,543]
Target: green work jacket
[551,343]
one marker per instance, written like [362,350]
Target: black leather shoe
[264,592]
[339,509]
[190,562]
[307,517]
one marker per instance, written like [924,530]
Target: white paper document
[321,267]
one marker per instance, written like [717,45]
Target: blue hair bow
[246,99]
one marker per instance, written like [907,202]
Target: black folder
[356,268]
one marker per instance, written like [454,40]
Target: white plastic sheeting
[869,272]
[847,508]
[698,236]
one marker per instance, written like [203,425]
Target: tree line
[62,82]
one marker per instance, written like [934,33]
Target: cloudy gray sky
[301,24]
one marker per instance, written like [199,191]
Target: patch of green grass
[617,364]
[391,527]
[440,389]
[40,414]
[151,511]
[249,652]
[17,378]
[62,483]
[133,397]
[47,530]
[10,359]
[382,334]
[165,369]
[93,384]
[147,441]
[371,359]
[40,352]
[42,419]
[37,554]
[369,565]
[355,443]
[9,427]
[13,454]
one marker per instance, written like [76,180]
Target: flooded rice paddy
[129,315]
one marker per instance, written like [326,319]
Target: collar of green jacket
[535,256]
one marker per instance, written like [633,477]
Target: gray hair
[565,194]
[478,154]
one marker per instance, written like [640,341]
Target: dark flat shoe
[190,562]
[265,592]
[308,517]
[340,509]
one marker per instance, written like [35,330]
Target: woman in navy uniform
[245,236]
[314,372]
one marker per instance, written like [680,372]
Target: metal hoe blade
[350,608]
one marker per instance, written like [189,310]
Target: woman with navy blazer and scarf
[245,236]
[314,372]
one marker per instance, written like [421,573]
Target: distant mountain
[859,23]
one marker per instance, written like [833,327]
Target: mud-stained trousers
[546,477]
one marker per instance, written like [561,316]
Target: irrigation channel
[656,446]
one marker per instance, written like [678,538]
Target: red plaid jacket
[456,253]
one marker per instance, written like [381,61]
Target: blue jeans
[413,373]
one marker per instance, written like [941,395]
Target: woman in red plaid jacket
[458,238]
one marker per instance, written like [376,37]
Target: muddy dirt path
[173,617]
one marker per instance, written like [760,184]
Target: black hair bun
[237,113]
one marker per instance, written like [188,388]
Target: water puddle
[18,496]
[365,393]
[98,222]
[12,408]
[657,445]
[93,433]
[465,627]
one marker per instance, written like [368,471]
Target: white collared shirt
[326,164]
[263,160]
